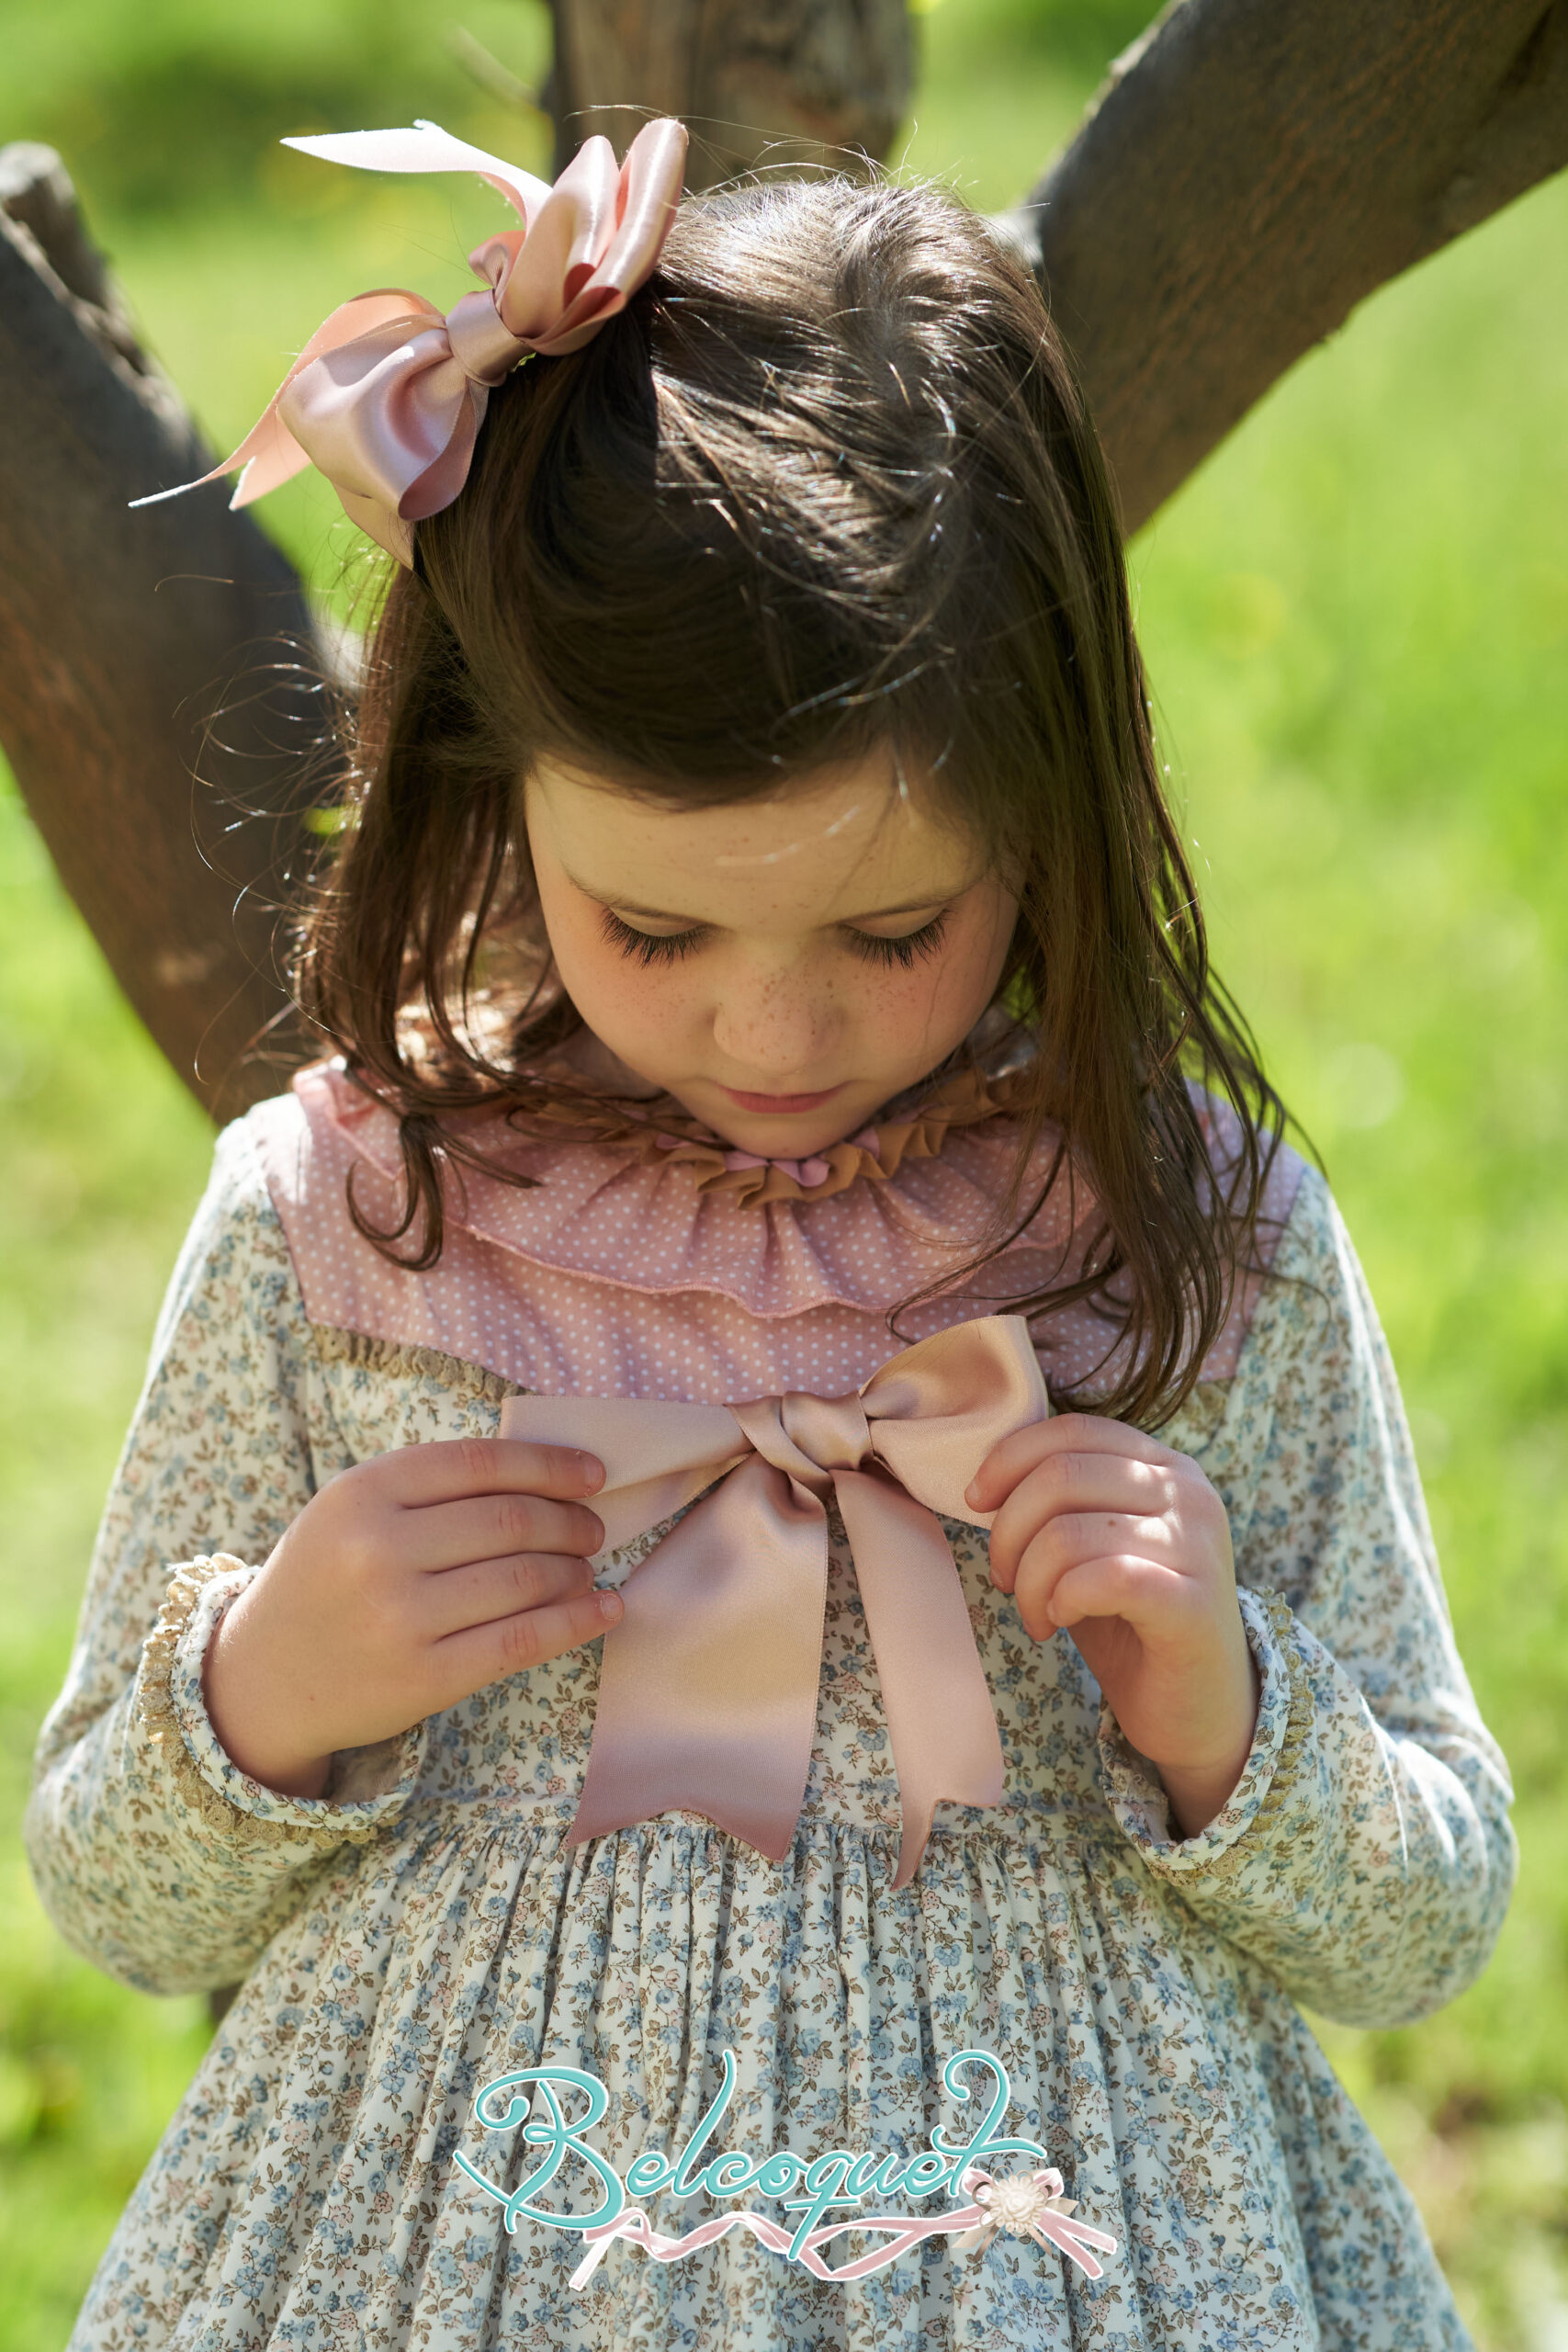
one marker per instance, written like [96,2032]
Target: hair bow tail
[270,454]
[425,147]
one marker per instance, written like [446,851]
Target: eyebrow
[698,922]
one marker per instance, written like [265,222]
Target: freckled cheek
[895,1014]
[619,997]
[954,985]
[887,996]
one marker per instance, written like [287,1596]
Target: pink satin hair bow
[707,1691]
[388,396]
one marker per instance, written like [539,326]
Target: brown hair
[827,483]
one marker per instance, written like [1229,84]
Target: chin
[783,1137]
[804,1143]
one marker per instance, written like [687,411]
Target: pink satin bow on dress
[707,1692]
[388,396]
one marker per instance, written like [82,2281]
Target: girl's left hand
[1116,1538]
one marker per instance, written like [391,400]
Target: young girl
[756,960]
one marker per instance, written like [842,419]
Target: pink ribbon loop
[388,396]
[1036,2208]
[707,1691]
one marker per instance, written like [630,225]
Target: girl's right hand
[407,1583]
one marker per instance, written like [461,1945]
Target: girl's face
[781,966]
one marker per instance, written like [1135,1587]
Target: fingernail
[972,1491]
[611,1606]
[593,1472]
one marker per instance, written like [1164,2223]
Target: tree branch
[1253,170]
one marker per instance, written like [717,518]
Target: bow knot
[708,1691]
[481,343]
[808,1437]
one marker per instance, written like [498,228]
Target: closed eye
[907,951]
[648,946]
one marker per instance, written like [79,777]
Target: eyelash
[648,946]
[669,948]
[908,951]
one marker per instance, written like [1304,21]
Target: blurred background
[1356,616]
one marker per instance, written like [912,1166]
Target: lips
[780,1105]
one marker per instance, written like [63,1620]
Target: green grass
[1357,620]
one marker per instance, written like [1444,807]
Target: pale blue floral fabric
[422,1928]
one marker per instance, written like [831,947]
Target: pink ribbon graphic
[707,1692]
[1023,2205]
[388,396]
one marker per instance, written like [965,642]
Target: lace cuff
[368,1786]
[1136,1794]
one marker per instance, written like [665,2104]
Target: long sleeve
[1366,1857]
[153,1854]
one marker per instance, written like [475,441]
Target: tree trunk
[788,83]
[1252,170]
[130,644]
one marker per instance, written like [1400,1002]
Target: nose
[777,1024]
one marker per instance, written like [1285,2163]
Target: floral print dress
[424,1927]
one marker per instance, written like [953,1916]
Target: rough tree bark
[123,636]
[1251,171]
[785,83]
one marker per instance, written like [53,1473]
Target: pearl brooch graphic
[1016,2207]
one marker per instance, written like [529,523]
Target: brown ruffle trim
[467,1384]
[156,1712]
[675,1140]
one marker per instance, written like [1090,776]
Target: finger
[450,1535]
[1011,1457]
[482,1654]
[1147,1594]
[483,1591]
[1067,1542]
[450,1468]
[1072,1485]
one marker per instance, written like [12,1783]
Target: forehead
[845,840]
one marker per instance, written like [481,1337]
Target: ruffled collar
[663,1136]
[902,1216]
[898,1208]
